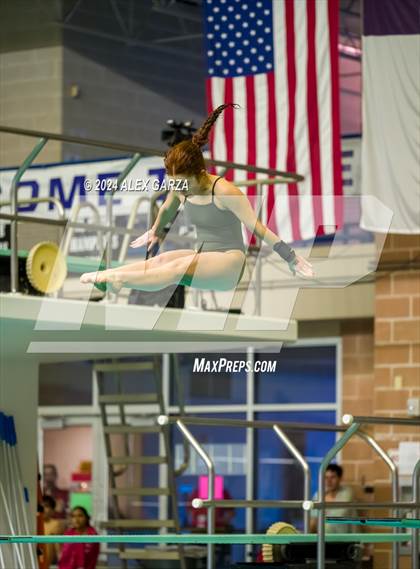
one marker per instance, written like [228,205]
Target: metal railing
[415,545]
[109,230]
[54,201]
[321,505]
[354,424]
[69,234]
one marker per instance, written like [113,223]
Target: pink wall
[67,448]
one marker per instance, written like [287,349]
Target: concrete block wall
[30,98]
[124,96]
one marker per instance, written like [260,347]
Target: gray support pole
[258,263]
[109,211]
[14,261]
[395,488]
[415,550]
[211,479]
[306,473]
[250,448]
[321,491]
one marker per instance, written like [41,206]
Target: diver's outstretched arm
[235,200]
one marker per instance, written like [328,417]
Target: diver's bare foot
[86,278]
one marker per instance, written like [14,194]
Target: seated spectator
[335,491]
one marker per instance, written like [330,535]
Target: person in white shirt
[335,491]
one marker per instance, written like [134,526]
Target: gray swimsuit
[217,230]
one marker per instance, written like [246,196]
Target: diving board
[74,327]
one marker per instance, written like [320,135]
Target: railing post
[395,488]
[210,493]
[306,473]
[321,491]
[258,263]
[14,261]
[415,550]
[109,212]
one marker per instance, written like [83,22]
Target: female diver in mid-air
[217,208]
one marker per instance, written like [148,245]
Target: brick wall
[381,369]
[396,351]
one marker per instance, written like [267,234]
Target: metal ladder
[124,462]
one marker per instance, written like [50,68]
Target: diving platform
[67,328]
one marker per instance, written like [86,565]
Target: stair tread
[124,366]
[144,554]
[169,552]
[131,429]
[115,429]
[137,460]
[128,398]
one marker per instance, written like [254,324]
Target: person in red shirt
[79,555]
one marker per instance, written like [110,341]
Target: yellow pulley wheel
[46,267]
[272,553]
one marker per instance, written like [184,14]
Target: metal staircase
[130,429]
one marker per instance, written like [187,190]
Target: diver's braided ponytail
[201,137]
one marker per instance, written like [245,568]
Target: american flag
[278,59]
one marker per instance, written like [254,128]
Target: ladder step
[168,552]
[124,366]
[139,491]
[131,429]
[128,398]
[137,460]
[138,524]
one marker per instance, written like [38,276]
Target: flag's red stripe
[291,87]
[209,98]
[313,122]
[229,125]
[251,145]
[335,112]
[272,148]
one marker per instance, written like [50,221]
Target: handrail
[321,491]
[198,503]
[14,262]
[131,149]
[394,485]
[65,223]
[70,231]
[263,182]
[204,421]
[315,505]
[50,199]
[306,472]
[130,225]
[321,505]
[402,421]
[210,488]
